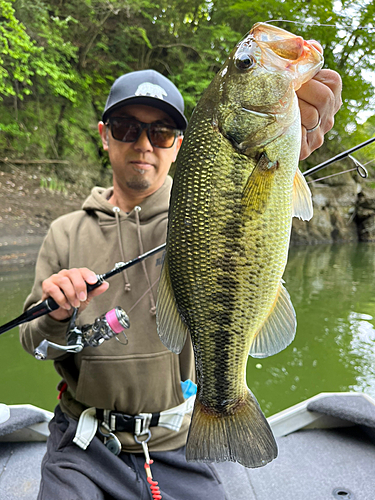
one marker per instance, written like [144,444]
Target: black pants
[70,473]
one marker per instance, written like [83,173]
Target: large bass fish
[236,188]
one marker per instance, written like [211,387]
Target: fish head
[255,88]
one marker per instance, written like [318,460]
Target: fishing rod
[360,168]
[49,305]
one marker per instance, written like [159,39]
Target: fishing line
[299,22]
[352,29]
[140,298]
[333,175]
[133,306]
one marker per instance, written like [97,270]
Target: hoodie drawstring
[118,225]
[138,222]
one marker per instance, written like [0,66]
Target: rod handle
[51,304]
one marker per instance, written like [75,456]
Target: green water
[332,288]
[333,291]
[23,378]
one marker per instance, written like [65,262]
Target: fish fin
[279,329]
[302,202]
[258,185]
[243,435]
[171,329]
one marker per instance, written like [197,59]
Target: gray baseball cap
[150,88]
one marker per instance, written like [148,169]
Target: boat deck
[312,464]
[326,451]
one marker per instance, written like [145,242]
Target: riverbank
[26,212]
[344,212]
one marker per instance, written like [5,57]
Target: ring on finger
[316,126]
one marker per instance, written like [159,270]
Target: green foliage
[58,59]
[16,47]
[53,184]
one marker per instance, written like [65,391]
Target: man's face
[139,167]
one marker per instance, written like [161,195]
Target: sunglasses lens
[162,137]
[125,131]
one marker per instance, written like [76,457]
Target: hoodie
[142,376]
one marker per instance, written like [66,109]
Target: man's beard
[138,184]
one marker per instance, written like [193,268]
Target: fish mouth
[284,51]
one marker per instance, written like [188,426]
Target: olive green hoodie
[142,376]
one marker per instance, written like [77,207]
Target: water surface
[332,288]
[23,378]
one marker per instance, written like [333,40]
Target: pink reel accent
[113,321]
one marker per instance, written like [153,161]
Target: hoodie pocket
[130,384]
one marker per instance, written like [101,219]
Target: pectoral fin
[279,329]
[171,329]
[302,202]
[258,185]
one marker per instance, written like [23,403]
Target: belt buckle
[138,424]
[118,419]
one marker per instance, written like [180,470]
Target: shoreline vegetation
[59,59]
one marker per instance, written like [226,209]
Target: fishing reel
[105,327]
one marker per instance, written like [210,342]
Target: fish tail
[242,436]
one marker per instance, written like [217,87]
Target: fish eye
[244,61]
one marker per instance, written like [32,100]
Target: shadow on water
[332,288]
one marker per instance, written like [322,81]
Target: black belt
[122,422]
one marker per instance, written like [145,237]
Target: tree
[16,49]
[61,56]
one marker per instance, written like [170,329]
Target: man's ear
[103,131]
[178,145]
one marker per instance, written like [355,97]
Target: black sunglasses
[130,130]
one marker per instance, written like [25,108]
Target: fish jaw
[282,50]
[253,95]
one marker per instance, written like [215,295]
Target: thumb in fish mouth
[317,45]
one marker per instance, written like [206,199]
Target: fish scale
[236,188]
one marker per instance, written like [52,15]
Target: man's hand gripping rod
[50,305]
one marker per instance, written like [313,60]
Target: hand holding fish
[319,100]
[69,289]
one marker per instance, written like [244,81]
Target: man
[140,129]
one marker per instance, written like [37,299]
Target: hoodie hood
[151,206]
